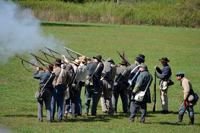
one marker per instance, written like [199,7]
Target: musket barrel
[53,51]
[41,59]
[59,53]
[125,55]
[123,58]
[52,56]
[28,62]
[154,100]
[47,54]
[77,53]
[73,51]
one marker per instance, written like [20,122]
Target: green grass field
[18,107]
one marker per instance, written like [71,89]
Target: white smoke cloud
[20,31]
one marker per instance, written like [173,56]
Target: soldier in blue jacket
[164,77]
[93,91]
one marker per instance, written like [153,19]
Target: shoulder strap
[58,77]
[46,82]
[134,69]
[75,75]
[95,71]
[105,72]
[121,75]
[148,83]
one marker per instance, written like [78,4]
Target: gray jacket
[141,83]
[122,74]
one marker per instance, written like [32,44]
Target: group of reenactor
[105,81]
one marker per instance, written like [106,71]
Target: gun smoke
[20,32]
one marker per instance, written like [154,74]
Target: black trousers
[73,105]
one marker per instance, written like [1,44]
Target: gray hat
[110,60]
[82,59]
[69,66]
[143,65]
[77,62]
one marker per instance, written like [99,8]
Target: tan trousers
[103,103]
[164,99]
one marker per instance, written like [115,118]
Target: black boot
[180,118]
[191,121]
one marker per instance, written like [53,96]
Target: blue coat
[166,72]
[91,67]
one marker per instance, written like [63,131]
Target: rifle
[72,59]
[51,56]
[131,81]
[78,54]
[29,63]
[37,57]
[123,58]
[154,98]
[125,55]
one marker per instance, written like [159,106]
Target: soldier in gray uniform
[120,86]
[83,73]
[46,79]
[113,73]
[132,70]
[107,86]
[143,82]
[93,91]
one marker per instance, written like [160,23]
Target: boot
[191,121]
[180,118]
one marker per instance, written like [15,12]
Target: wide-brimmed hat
[110,60]
[124,62]
[77,62]
[82,59]
[98,57]
[143,65]
[139,59]
[50,67]
[142,56]
[58,61]
[164,59]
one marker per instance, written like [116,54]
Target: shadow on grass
[159,112]
[171,123]
[28,116]
[69,25]
[101,118]
[98,118]
[170,112]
